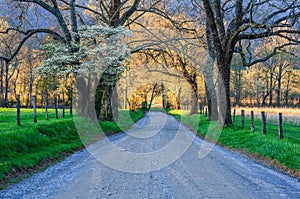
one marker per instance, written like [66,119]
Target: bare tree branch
[28,34]
[277,50]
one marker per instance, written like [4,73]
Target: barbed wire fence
[280,125]
[58,104]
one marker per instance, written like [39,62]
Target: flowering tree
[100,55]
[99,47]
[62,20]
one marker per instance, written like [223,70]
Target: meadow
[34,146]
[290,115]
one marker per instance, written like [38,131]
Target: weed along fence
[45,107]
[267,124]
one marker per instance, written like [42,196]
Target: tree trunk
[106,101]
[109,106]
[86,106]
[1,83]
[115,13]
[164,96]
[224,103]
[114,104]
[30,88]
[194,99]
[178,102]
[257,92]
[194,103]
[212,104]
[13,84]
[287,89]
[125,92]
[208,78]
[271,89]
[278,99]
[125,98]
[153,95]
[237,85]
[212,101]
[6,83]
[98,98]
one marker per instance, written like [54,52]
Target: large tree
[66,16]
[231,21]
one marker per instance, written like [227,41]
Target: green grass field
[25,147]
[285,152]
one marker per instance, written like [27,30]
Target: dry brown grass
[290,115]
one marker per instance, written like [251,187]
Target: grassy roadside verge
[282,154]
[33,146]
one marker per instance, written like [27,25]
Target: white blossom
[100,48]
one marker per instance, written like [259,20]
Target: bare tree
[232,21]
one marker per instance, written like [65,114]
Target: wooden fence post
[55,105]
[243,118]
[280,131]
[34,109]
[252,122]
[18,110]
[264,121]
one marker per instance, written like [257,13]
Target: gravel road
[157,158]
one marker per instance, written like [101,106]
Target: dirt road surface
[157,158]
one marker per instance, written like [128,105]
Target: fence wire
[290,125]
